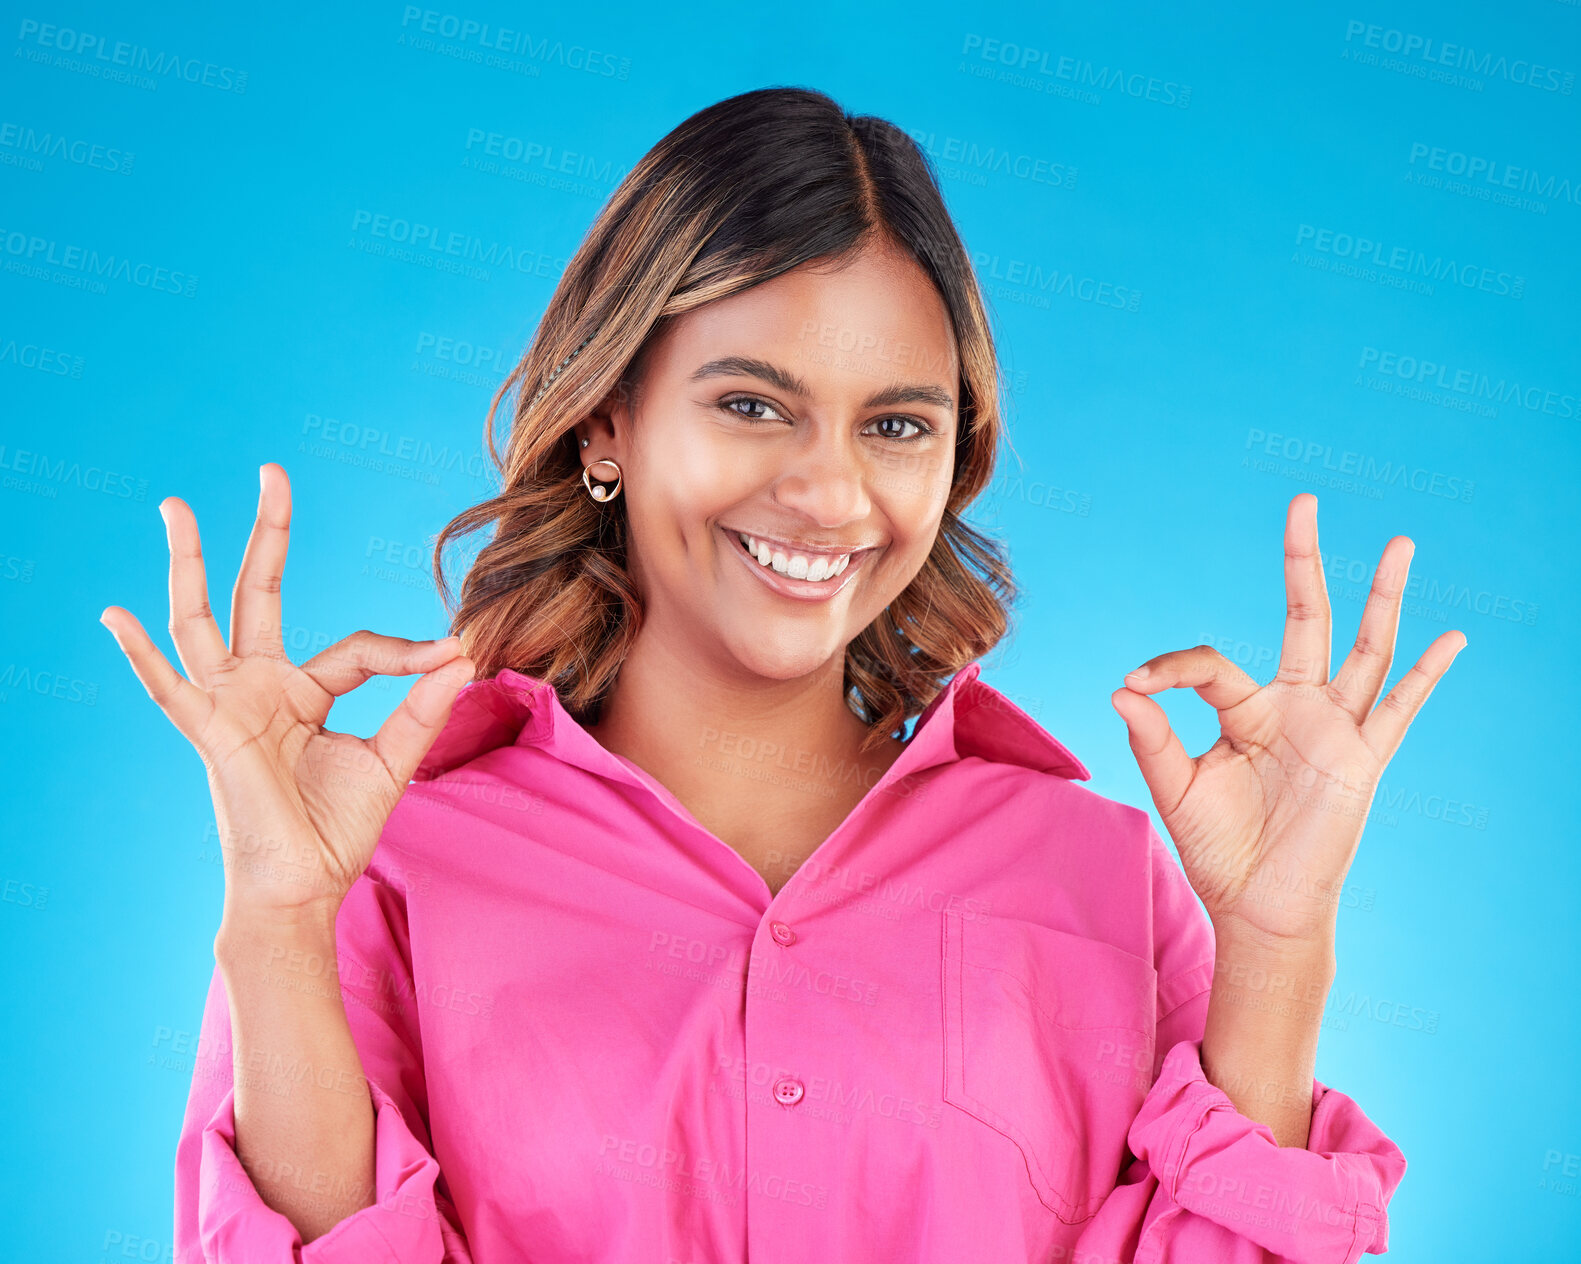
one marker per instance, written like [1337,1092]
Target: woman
[639,931]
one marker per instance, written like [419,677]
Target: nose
[826,481]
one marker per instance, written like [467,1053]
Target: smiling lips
[795,564]
[795,571]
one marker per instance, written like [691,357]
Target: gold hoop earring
[601,492]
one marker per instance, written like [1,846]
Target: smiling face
[749,419]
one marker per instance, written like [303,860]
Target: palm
[1276,805]
[1267,820]
[265,738]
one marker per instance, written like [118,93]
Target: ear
[607,428]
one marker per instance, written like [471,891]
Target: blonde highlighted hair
[740,192]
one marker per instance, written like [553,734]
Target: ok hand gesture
[300,808]
[1268,819]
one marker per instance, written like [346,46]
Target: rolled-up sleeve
[1324,1204]
[1209,1185]
[221,1217]
[235,1225]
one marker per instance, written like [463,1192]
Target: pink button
[788,1091]
[782,933]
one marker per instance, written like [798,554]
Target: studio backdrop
[1228,258]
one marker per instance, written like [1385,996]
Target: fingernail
[1140,673]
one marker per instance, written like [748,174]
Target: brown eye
[729,405]
[905,421]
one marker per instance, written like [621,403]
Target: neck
[770,767]
[667,708]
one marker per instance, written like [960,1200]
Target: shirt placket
[794,1202]
[783,1184]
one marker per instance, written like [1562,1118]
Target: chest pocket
[1048,1039]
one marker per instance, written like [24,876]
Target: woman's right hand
[299,808]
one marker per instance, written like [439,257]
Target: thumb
[404,738]
[1165,766]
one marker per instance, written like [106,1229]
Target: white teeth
[795,566]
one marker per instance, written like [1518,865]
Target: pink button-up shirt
[967,1029]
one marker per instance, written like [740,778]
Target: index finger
[255,601]
[1304,653]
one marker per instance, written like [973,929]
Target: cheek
[680,486]
[914,482]
[912,490]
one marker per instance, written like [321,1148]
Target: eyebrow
[751,366]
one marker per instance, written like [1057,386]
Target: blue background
[1155,450]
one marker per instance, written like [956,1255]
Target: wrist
[1241,933]
[1310,955]
[251,937]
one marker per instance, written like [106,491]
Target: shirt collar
[967,717]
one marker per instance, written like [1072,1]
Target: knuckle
[1369,648]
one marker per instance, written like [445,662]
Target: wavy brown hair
[742,191]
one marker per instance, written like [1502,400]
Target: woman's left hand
[1268,819]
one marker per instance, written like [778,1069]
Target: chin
[788,657]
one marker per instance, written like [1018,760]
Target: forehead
[877,317]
